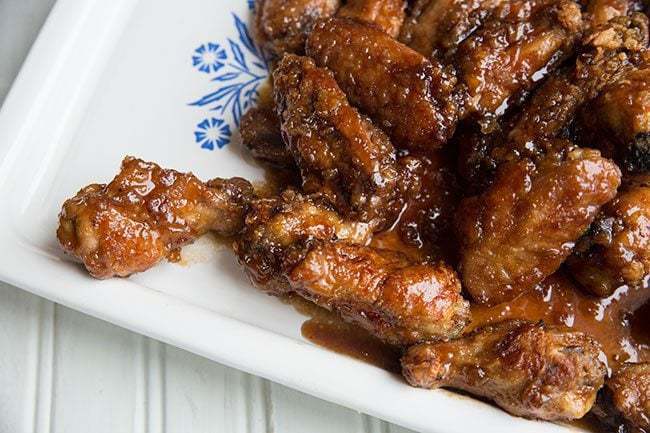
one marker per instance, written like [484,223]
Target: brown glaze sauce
[620,322]
[641,327]
[557,301]
[324,328]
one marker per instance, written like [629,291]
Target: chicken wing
[437,27]
[624,405]
[600,12]
[618,121]
[517,46]
[408,96]
[281,26]
[146,214]
[280,231]
[616,250]
[528,369]
[387,15]
[296,244]
[526,224]
[261,135]
[339,152]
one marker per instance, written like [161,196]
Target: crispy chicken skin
[521,229]
[296,244]
[520,43]
[400,301]
[409,97]
[624,404]
[339,152]
[616,250]
[618,121]
[281,26]
[279,232]
[437,27]
[261,135]
[528,369]
[145,214]
[387,15]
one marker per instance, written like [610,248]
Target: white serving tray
[111,78]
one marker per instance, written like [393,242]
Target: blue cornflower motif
[212,133]
[209,57]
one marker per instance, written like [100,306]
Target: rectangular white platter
[107,79]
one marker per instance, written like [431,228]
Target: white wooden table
[62,371]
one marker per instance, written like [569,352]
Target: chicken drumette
[528,369]
[298,244]
[146,214]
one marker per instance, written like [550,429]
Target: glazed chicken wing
[281,26]
[528,369]
[146,214]
[398,300]
[516,47]
[387,15]
[296,244]
[281,230]
[339,152]
[618,121]
[437,27]
[616,250]
[625,401]
[261,135]
[521,229]
[408,96]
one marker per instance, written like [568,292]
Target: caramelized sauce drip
[326,329]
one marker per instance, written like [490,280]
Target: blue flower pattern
[238,68]
[209,58]
[212,133]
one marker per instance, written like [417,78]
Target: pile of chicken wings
[502,142]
